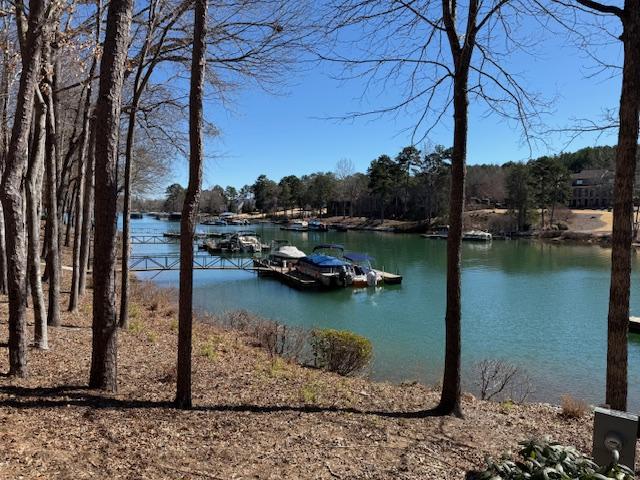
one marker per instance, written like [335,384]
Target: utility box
[614,430]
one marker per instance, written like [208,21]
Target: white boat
[477,236]
[364,274]
[285,255]
[297,225]
[248,241]
[468,236]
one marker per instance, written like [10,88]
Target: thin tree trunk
[71,217]
[622,237]
[34,195]
[190,208]
[451,384]
[11,193]
[126,214]
[104,352]
[77,230]
[4,140]
[3,254]
[87,154]
[52,225]
[87,210]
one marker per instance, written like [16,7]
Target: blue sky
[286,134]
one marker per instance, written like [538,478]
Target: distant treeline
[412,185]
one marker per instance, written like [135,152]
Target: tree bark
[451,384]
[4,145]
[190,207]
[112,69]
[11,193]
[87,210]
[622,237]
[33,183]
[52,224]
[126,217]
[70,209]
[77,227]
[87,154]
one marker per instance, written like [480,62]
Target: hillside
[254,416]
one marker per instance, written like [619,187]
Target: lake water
[541,306]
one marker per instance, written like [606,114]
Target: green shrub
[134,310]
[209,349]
[340,351]
[136,327]
[309,393]
[550,461]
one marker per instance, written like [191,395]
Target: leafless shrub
[573,407]
[275,337]
[280,339]
[499,380]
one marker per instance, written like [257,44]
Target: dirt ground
[254,416]
[591,221]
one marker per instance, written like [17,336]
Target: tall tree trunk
[52,224]
[451,383]
[87,210]
[126,218]
[622,237]
[77,230]
[3,253]
[87,154]
[104,352]
[4,146]
[190,208]
[70,208]
[11,193]
[33,183]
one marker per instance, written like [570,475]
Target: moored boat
[316,224]
[328,271]
[468,236]
[248,241]
[296,226]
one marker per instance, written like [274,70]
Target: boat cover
[358,257]
[289,251]
[323,260]
[328,245]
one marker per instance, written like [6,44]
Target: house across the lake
[592,189]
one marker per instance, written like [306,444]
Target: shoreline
[253,413]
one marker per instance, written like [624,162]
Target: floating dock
[286,275]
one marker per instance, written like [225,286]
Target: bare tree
[590,36]
[159,23]
[35,172]
[11,188]
[499,379]
[87,209]
[8,67]
[190,208]
[344,171]
[104,352]
[438,54]
[51,163]
[82,206]
[622,237]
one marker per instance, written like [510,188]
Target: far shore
[584,226]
